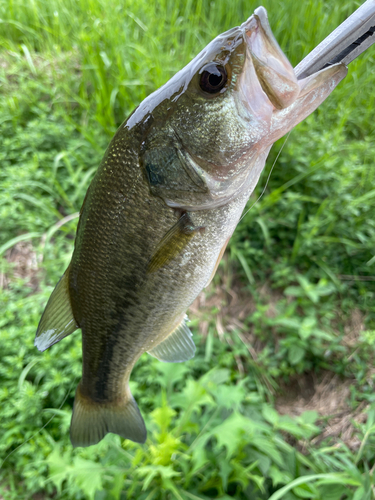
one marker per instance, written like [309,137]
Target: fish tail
[91,421]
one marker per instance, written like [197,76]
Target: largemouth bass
[160,211]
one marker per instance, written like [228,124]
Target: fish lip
[273,69]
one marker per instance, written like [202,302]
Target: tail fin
[91,421]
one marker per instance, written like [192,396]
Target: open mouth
[274,71]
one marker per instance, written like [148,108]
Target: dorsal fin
[57,320]
[177,347]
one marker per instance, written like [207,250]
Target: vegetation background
[279,401]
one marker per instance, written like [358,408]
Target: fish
[161,209]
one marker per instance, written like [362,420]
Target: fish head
[207,132]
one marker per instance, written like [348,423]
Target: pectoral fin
[57,320]
[177,347]
[173,242]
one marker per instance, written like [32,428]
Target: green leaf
[333,492]
[266,446]
[229,396]
[295,354]
[192,397]
[321,334]
[292,323]
[327,478]
[216,376]
[307,327]
[245,266]
[60,467]
[306,491]
[171,373]
[199,455]
[162,417]
[309,417]
[359,494]
[278,476]
[89,476]
[230,433]
[288,425]
[225,469]
[270,414]
[149,472]
[294,291]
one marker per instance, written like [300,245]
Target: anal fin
[173,243]
[57,320]
[177,347]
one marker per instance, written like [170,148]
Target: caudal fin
[91,421]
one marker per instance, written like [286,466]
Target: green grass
[70,73]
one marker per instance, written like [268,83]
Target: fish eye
[213,78]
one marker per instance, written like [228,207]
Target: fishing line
[45,425]
[268,178]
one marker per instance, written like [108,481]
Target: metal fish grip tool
[344,44]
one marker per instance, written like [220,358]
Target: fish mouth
[275,73]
